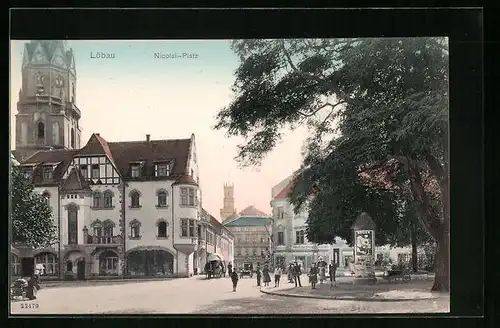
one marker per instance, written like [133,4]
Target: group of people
[294,273]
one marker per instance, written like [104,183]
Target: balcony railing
[103,240]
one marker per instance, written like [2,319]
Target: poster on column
[364,250]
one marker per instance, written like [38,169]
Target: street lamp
[269,253]
[315,251]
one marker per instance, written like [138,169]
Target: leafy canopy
[31,216]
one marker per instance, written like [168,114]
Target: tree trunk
[414,250]
[442,265]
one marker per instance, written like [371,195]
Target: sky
[135,94]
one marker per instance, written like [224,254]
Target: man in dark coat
[332,271]
[234,279]
[229,269]
[296,274]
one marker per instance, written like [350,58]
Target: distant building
[252,211]
[228,211]
[252,239]
[213,238]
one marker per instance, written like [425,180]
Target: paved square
[197,295]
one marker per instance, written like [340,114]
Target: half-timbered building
[121,208]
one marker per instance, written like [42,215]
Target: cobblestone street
[198,296]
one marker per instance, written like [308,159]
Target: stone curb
[362,299]
[97,282]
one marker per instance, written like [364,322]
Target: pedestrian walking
[266,276]
[277,276]
[313,275]
[259,276]
[296,274]
[229,269]
[332,271]
[290,273]
[234,279]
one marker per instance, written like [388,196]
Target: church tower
[47,117]
[228,211]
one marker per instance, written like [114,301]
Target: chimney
[148,137]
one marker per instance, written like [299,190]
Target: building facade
[251,239]
[290,242]
[214,238]
[121,208]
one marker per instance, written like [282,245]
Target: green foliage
[31,217]
[373,106]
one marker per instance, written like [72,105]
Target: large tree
[31,216]
[377,110]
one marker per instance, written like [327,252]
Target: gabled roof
[62,156]
[75,182]
[185,180]
[214,222]
[96,146]
[252,211]
[287,189]
[248,221]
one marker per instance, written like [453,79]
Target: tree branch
[321,107]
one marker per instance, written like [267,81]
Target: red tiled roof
[96,145]
[251,210]
[284,193]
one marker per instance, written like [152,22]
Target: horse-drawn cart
[215,267]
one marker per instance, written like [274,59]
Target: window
[108,234]
[16,266]
[98,231]
[72,138]
[108,262]
[41,130]
[402,258]
[84,170]
[281,212]
[191,201]
[55,133]
[108,199]
[161,170]
[49,261]
[46,197]
[238,251]
[28,172]
[281,238]
[299,237]
[162,198]
[188,228]
[254,251]
[72,226]
[95,171]
[184,196]
[135,170]
[162,229]
[134,199]
[97,200]
[135,229]
[47,173]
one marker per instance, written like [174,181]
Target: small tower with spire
[228,210]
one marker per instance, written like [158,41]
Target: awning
[214,257]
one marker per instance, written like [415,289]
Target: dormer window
[162,170]
[28,172]
[47,173]
[135,170]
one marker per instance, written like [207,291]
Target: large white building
[121,208]
[291,244]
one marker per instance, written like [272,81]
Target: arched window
[135,199]
[97,199]
[162,198]
[108,199]
[73,92]
[161,227]
[24,133]
[72,138]
[108,226]
[135,229]
[46,197]
[108,263]
[40,130]
[55,133]
[72,225]
[49,261]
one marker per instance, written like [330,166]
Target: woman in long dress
[266,276]
[313,275]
